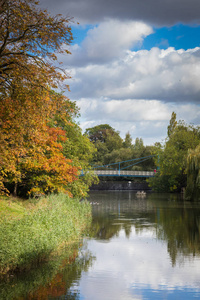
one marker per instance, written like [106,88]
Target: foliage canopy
[193,174]
[30,39]
[34,120]
[173,165]
[111,148]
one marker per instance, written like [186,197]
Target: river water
[139,247]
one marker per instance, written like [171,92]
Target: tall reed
[34,237]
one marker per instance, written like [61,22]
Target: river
[139,247]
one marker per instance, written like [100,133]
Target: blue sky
[133,63]
[178,36]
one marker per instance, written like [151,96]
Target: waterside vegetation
[178,160]
[33,231]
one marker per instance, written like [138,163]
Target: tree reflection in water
[52,279]
[172,220]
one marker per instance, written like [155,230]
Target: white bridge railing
[124,173]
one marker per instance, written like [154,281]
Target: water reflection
[145,248]
[51,280]
[171,219]
[138,248]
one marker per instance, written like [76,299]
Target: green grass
[11,208]
[31,232]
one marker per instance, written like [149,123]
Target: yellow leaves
[53,56]
[67,51]
[31,142]
[34,35]
[31,150]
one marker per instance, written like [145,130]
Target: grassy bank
[31,231]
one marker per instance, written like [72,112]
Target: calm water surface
[139,248]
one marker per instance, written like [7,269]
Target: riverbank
[31,231]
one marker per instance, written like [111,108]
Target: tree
[118,155]
[105,139]
[172,156]
[127,141]
[193,174]
[113,140]
[98,133]
[35,121]
[30,39]
[80,150]
[172,124]
[112,149]
[30,149]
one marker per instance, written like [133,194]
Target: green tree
[106,140]
[98,133]
[193,174]
[113,140]
[118,155]
[80,150]
[172,155]
[172,124]
[112,149]
[127,141]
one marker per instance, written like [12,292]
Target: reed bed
[51,222]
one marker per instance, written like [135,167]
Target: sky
[133,63]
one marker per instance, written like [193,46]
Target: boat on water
[141,193]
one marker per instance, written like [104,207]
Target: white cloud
[106,42]
[141,118]
[125,110]
[167,75]
[110,38]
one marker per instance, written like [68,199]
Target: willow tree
[172,175]
[193,174]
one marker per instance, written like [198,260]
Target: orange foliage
[30,149]
[30,141]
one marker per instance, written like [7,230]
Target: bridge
[116,169]
[124,173]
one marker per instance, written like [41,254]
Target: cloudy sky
[133,63]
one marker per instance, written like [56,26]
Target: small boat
[141,193]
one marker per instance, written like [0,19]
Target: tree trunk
[15,190]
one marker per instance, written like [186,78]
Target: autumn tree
[35,121]
[30,148]
[30,39]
